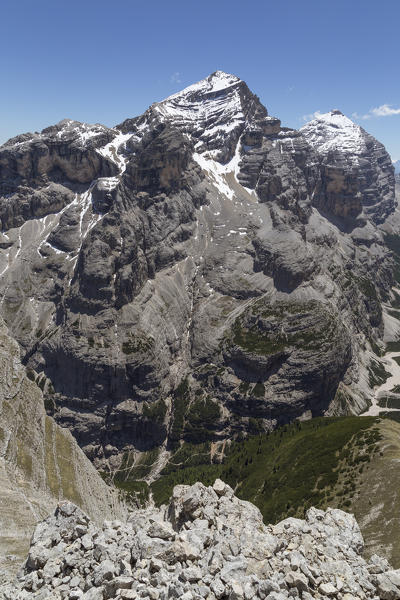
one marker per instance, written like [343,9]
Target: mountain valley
[200,293]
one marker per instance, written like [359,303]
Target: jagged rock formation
[40,463]
[130,258]
[357,173]
[206,544]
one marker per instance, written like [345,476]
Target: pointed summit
[334,131]
[219,93]
[213,112]
[217,81]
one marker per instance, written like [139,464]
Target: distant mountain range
[397,167]
[197,271]
[177,287]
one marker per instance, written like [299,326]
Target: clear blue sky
[104,61]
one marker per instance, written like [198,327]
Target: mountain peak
[213,112]
[335,118]
[217,81]
[217,90]
[333,130]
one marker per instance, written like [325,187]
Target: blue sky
[103,61]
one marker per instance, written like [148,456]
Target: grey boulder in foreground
[205,544]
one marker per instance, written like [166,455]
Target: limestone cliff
[40,463]
[145,269]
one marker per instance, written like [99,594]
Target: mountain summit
[212,112]
[197,271]
[340,141]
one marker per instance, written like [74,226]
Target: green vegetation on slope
[252,337]
[194,419]
[181,400]
[313,463]
[138,344]
[155,411]
[253,341]
[375,505]
[202,417]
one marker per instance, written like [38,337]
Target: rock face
[130,256]
[357,172]
[287,350]
[40,463]
[206,544]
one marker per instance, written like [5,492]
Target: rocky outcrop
[206,544]
[64,152]
[40,463]
[357,173]
[287,349]
[39,172]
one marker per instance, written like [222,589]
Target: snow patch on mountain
[213,83]
[208,109]
[114,150]
[334,131]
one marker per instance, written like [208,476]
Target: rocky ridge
[140,265]
[205,544]
[40,463]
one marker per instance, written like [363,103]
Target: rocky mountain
[195,268]
[357,176]
[40,463]
[205,544]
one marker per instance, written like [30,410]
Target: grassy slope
[377,504]
[314,463]
[351,463]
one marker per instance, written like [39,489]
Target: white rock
[219,487]
[87,542]
[206,544]
[327,589]
[235,591]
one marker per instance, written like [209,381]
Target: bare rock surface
[358,175]
[40,463]
[129,255]
[205,544]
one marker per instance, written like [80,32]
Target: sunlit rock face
[40,463]
[357,171]
[129,255]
